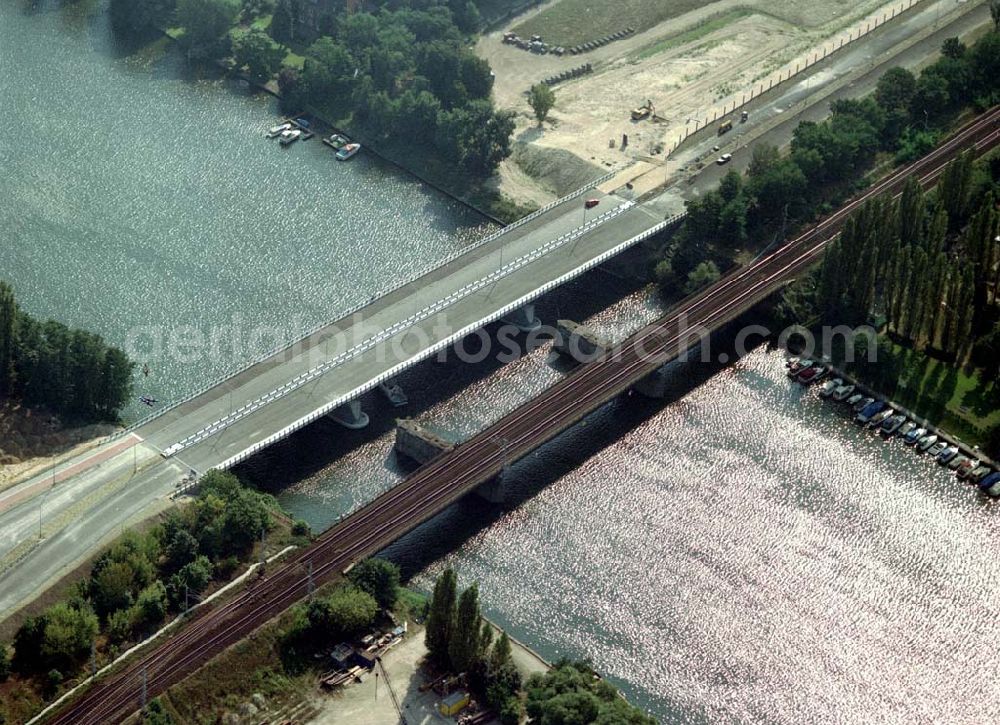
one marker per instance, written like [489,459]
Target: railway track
[437,484]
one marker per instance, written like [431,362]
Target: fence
[787,73]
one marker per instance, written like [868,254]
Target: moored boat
[914,435]
[891,425]
[827,389]
[966,467]
[862,404]
[869,411]
[812,375]
[958,461]
[855,399]
[289,137]
[980,473]
[945,456]
[276,131]
[927,442]
[797,366]
[879,418]
[991,485]
[348,151]
[843,392]
[936,449]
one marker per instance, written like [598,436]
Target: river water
[737,553]
[147,206]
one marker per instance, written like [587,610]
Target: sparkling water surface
[738,553]
[147,205]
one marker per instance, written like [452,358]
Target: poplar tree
[441,616]
[8,316]
[463,646]
[911,212]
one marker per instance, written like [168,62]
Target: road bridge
[446,478]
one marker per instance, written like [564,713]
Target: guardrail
[309,375]
[787,73]
[507,309]
[256,360]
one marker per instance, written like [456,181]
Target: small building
[342,656]
[454,703]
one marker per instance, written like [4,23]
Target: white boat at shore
[349,151]
[276,131]
[289,137]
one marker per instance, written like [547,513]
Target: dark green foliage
[541,99]
[703,275]
[378,577]
[569,694]
[346,612]
[8,341]
[156,714]
[150,607]
[230,518]
[255,51]
[464,643]
[408,76]
[300,528]
[69,371]
[205,24]
[4,663]
[440,617]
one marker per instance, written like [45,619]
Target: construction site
[632,91]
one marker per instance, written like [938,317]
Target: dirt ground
[686,66]
[31,440]
[360,704]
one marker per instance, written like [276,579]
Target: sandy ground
[31,441]
[683,82]
[359,704]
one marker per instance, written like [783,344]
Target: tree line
[459,640]
[405,73]
[401,70]
[140,579]
[904,118]
[69,371]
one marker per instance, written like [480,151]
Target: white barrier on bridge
[257,359]
[309,375]
[423,354]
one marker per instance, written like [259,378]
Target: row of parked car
[569,74]
[878,415]
[536,45]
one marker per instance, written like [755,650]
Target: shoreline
[330,127]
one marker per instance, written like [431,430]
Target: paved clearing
[357,704]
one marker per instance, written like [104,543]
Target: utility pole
[376,685]
[311,585]
[144,688]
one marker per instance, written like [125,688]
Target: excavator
[643,112]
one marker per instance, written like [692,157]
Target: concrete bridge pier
[350,415]
[493,490]
[524,318]
[653,385]
[417,443]
[421,445]
[579,342]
